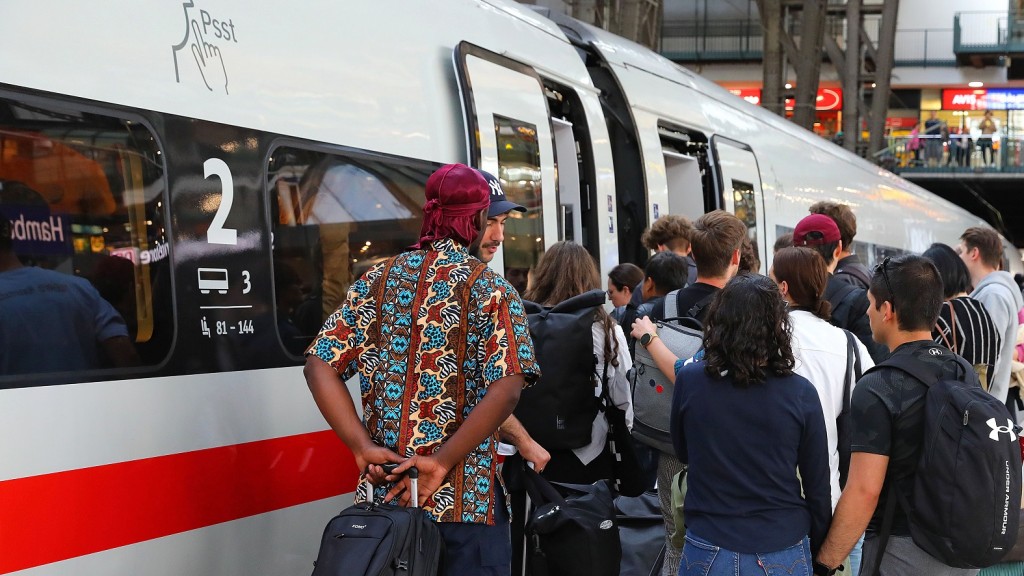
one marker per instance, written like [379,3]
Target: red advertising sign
[828,98]
[964,99]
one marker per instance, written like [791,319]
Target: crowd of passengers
[755,413]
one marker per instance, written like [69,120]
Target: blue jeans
[855,555]
[702,558]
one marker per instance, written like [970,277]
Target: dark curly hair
[748,334]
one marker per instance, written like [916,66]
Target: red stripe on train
[54,517]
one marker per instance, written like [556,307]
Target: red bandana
[455,194]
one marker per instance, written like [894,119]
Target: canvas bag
[573,531]
[652,390]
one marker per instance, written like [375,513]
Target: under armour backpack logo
[935,352]
[997,430]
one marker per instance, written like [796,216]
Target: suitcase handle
[413,475]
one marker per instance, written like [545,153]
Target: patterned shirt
[428,332]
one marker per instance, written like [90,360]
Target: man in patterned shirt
[442,348]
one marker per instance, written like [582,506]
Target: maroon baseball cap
[827,231]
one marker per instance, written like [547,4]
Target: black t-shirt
[686,299]
[888,419]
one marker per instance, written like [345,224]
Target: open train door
[740,182]
[509,134]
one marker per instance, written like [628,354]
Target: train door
[740,182]
[510,134]
[688,181]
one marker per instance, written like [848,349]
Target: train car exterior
[222,170]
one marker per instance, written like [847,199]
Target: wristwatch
[647,338]
[823,570]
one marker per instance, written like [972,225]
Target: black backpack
[369,539]
[967,483]
[559,410]
[573,531]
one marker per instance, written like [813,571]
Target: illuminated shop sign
[983,99]
[827,99]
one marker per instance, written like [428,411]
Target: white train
[222,169]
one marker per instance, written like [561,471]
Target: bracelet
[820,569]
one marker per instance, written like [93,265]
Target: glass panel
[519,172]
[83,194]
[335,216]
[745,208]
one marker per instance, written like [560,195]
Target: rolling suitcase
[371,539]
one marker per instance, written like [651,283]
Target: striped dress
[972,335]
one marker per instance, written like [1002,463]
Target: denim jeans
[701,558]
[855,555]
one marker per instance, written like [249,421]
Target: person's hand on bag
[431,475]
[369,460]
[535,454]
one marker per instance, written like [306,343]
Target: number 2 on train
[217,233]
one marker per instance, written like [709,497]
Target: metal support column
[808,68]
[771,19]
[883,73]
[851,77]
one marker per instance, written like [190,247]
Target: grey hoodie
[1002,299]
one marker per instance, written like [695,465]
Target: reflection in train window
[870,254]
[745,207]
[334,217]
[85,277]
[519,172]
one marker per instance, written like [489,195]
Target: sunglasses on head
[885,276]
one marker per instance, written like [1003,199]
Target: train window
[334,216]
[520,175]
[745,207]
[84,267]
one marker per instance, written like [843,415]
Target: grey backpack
[652,390]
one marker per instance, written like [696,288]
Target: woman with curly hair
[745,423]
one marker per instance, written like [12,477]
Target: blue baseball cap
[499,203]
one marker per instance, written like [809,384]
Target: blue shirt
[52,322]
[744,447]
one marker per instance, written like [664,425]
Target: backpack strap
[671,301]
[886,528]
[855,271]
[696,309]
[853,373]
[852,365]
[910,365]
